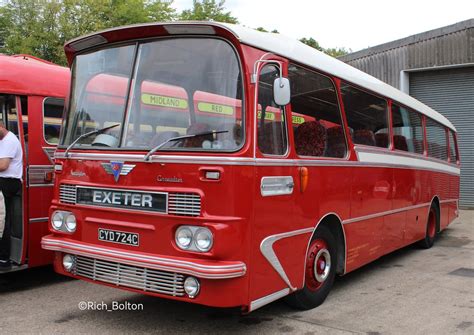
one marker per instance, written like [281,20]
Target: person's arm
[4,163]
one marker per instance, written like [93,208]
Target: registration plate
[120,237]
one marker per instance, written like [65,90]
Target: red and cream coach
[215,164]
[32,93]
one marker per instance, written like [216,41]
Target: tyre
[431,227]
[320,270]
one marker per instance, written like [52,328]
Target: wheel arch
[334,223]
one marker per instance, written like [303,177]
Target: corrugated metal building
[437,68]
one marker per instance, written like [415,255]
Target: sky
[355,25]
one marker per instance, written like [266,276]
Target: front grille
[187,204]
[147,280]
[183,204]
[67,194]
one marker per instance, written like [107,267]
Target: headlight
[203,239]
[191,286]
[68,262]
[71,223]
[57,220]
[184,237]
[194,238]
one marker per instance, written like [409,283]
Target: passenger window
[271,123]
[366,116]
[316,119]
[453,157]
[9,113]
[52,116]
[436,138]
[407,130]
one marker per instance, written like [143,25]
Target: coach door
[10,111]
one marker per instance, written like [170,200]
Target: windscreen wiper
[98,131]
[177,138]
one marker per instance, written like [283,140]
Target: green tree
[41,27]
[334,52]
[205,10]
[312,43]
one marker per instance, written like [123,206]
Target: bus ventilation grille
[67,194]
[119,274]
[183,204]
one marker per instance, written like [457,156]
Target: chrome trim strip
[448,200]
[393,211]
[49,151]
[256,304]
[33,220]
[276,185]
[238,269]
[244,161]
[266,248]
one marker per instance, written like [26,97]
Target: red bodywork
[33,80]
[235,272]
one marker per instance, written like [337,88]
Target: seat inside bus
[310,139]
[364,137]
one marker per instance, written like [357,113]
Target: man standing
[11,172]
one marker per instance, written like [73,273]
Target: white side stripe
[381,158]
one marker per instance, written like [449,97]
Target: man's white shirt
[10,147]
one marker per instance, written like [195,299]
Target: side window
[271,123]
[24,115]
[453,157]
[52,116]
[407,130]
[366,116]
[316,119]
[8,111]
[436,138]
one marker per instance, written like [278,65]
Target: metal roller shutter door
[451,92]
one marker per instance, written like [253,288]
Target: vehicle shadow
[30,279]
[159,315]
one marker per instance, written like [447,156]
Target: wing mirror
[281,91]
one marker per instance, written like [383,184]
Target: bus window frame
[446,129]
[276,62]
[43,118]
[387,111]
[456,148]
[137,42]
[423,128]
[338,95]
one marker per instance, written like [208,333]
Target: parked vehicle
[215,164]
[32,93]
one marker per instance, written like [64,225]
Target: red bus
[219,165]
[32,93]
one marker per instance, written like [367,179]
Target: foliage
[334,52]
[205,10]
[41,27]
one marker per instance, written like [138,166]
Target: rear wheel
[431,227]
[320,270]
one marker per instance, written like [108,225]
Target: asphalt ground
[410,291]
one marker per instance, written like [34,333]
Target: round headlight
[68,262]
[184,237]
[203,239]
[71,223]
[191,286]
[57,220]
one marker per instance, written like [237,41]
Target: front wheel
[320,270]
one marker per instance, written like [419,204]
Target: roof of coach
[275,43]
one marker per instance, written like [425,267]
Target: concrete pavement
[410,291]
